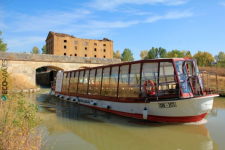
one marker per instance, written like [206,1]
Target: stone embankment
[26,91]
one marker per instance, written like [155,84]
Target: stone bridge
[26,64]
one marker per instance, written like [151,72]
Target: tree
[187,53]
[143,54]
[162,53]
[154,53]
[220,58]
[204,58]
[116,55]
[3,46]
[127,55]
[44,49]
[175,54]
[35,50]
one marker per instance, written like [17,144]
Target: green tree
[154,53]
[175,54]
[187,53]
[3,46]
[162,53]
[220,58]
[203,58]
[44,49]
[127,55]
[143,54]
[35,50]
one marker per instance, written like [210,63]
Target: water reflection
[105,131]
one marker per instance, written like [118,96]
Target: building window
[75,54]
[85,43]
[85,55]
[95,49]
[95,56]
[64,54]
[70,54]
[95,44]
[64,46]
[65,41]
[103,50]
[75,47]
[104,56]
[104,44]
[75,42]
[85,48]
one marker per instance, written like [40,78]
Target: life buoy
[152,87]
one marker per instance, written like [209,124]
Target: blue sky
[134,24]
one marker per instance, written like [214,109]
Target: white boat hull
[184,110]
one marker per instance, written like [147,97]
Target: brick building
[68,45]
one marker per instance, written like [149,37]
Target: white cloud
[113,4]
[17,42]
[222,3]
[170,15]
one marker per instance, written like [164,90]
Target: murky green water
[77,127]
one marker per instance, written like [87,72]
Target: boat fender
[61,96]
[57,95]
[145,113]
[93,103]
[105,106]
[72,99]
[67,98]
[77,99]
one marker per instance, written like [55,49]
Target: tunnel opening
[45,75]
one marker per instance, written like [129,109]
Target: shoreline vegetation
[19,122]
[220,78]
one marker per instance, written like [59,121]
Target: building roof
[51,33]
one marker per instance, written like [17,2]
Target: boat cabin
[154,79]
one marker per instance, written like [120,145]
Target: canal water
[77,127]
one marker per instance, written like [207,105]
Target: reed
[18,118]
[220,78]
[19,81]
[220,70]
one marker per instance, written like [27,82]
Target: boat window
[66,80]
[114,81]
[91,82]
[149,79]
[123,81]
[85,86]
[134,80]
[182,76]
[72,84]
[105,82]
[75,82]
[167,84]
[98,81]
[80,82]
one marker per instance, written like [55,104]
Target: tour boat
[161,90]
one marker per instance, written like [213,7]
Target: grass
[220,71]
[18,118]
[220,78]
[19,81]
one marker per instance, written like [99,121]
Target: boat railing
[200,84]
[210,82]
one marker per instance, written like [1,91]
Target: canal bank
[78,127]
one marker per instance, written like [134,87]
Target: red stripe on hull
[174,119]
